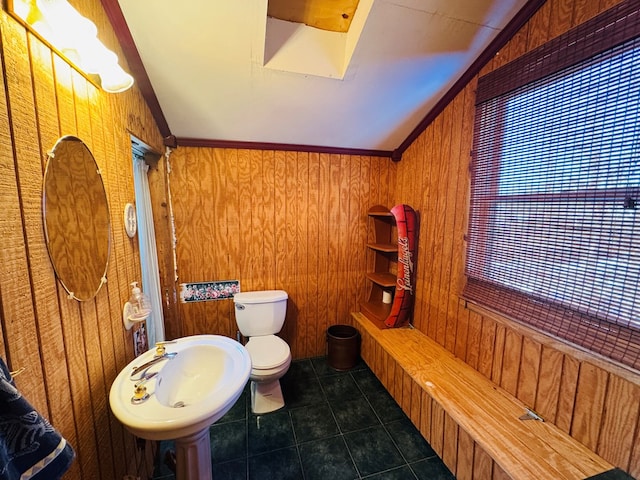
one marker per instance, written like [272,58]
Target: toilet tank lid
[262,296]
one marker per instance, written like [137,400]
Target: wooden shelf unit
[385,273]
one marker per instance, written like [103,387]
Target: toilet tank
[260,313]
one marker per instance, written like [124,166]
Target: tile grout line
[340,432]
[247,409]
[373,409]
[296,444]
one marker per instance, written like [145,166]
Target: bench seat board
[523,449]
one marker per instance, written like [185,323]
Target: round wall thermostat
[130,220]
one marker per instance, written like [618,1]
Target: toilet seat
[267,352]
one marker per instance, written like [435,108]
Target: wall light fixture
[74,37]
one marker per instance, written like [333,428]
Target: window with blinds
[554,230]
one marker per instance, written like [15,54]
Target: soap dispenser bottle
[140,302]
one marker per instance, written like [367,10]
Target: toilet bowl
[270,359]
[260,315]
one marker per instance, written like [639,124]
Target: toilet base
[266,396]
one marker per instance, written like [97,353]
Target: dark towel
[30,448]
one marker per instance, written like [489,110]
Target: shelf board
[384,247]
[383,279]
[377,312]
[379,211]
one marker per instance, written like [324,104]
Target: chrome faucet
[143,368]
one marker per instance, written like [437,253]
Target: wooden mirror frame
[76,218]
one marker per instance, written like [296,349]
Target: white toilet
[260,315]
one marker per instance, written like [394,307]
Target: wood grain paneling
[45,297]
[567,395]
[450,448]
[620,421]
[499,474]
[19,322]
[302,228]
[539,27]
[529,371]
[511,362]
[496,371]
[561,18]
[437,428]
[546,403]
[588,407]
[71,351]
[487,346]
[416,404]
[474,335]
[464,467]
[425,416]
[482,465]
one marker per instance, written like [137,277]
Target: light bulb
[115,80]
[75,36]
[95,57]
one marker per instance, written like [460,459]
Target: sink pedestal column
[193,457]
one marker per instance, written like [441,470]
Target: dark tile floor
[335,426]
[615,474]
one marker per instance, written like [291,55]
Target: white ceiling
[205,63]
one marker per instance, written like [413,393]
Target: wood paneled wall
[71,351]
[275,220]
[596,403]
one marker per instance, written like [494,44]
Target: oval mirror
[76,218]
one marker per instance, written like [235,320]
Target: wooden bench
[472,424]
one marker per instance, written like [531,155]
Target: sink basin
[187,393]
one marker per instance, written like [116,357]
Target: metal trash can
[343,347]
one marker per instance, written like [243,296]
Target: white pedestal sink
[186,394]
